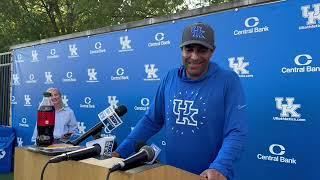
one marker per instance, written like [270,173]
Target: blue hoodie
[204,121]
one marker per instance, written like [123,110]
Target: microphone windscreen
[121,110]
[150,152]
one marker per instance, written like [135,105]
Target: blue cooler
[7,137]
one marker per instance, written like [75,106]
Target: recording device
[105,115]
[94,148]
[145,154]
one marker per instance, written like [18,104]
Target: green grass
[6,176]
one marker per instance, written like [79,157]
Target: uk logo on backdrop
[276,153]
[15,79]
[289,111]
[73,50]
[53,54]
[311,15]
[27,100]
[69,77]
[303,64]
[240,66]
[65,100]
[88,104]
[144,105]
[81,127]
[31,80]
[251,25]
[151,71]
[23,123]
[19,58]
[120,75]
[160,40]
[125,43]
[48,76]
[98,48]
[113,101]
[92,75]
[19,141]
[34,55]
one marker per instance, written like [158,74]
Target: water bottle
[45,121]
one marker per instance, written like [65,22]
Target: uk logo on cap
[197,32]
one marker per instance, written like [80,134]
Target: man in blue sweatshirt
[201,108]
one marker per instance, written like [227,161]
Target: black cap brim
[203,43]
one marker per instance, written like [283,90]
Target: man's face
[196,60]
[56,97]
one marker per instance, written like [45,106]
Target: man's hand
[115,154]
[212,174]
[66,136]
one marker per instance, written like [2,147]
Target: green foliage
[31,20]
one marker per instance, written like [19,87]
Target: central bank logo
[69,77]
[92,74]
[19,141]
[2,153]
[239,65]
[276,154]
[48,76]
[65,100]
[53,54]
[288,110]
[251,26]
[113,102]
[34,55]
[125,44]
[23,123]
[151,72]
[31,79]
[312,15]
[13,100]
[98,48]
[303,65]
[15,79]
[120,75]
[144,105]
[81,127]
[73,51]
[19,59]
[87,103]
[184,112]
[27,100]
[159,40]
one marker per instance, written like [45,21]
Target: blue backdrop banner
[274,48]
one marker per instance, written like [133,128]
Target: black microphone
[120,111]
[79,154]
[146,154]
[94,148]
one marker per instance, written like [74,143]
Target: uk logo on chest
[188,111]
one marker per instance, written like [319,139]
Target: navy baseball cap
[198,33]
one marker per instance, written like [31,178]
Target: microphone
[80,154]
[94,148]
[146,154]
[120,111]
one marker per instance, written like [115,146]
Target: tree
[31,20]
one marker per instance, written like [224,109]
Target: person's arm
[235,128]
[147,126]
[73,124]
